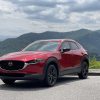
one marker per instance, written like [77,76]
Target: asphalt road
[67,88]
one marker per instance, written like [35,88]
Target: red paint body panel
[65,60]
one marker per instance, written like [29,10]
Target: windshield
[42,46]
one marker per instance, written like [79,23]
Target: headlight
[35,61]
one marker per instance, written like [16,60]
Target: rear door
[76,54]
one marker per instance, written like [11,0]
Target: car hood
[27,55]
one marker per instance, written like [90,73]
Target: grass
[94,64]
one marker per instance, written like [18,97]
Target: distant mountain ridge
[4,37]
[89,39]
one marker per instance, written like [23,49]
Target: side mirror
[65,50]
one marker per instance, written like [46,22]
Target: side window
[74,46]
[65,45]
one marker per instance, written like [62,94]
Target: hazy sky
[22,16]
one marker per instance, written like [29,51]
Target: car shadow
[36,85]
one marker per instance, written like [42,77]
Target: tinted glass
[74,46]
[42,46]
[65,45]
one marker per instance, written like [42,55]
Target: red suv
[45,60]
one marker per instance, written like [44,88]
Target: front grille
[11,65]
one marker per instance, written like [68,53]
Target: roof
[60,40]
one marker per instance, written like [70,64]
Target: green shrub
[94,64]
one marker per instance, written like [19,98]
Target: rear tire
[8,82]
[51,76]
[84,70]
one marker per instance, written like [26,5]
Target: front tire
[8,82]
[84,70]
[51,76]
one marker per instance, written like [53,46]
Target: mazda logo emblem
[10,64]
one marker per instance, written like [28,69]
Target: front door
[66,57]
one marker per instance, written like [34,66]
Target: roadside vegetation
[94,64]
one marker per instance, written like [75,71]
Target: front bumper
[21,76]
[29,72]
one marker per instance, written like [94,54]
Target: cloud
[23,15]
[86,6]
[55,10]
[43,3]
[18,26]
[6,7]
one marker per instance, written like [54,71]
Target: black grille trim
[12,65]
